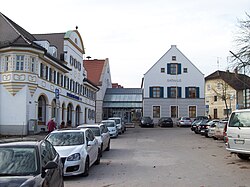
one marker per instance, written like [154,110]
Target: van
[238,133]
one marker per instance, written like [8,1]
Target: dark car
[165,122]
[194,124]
[29,163]
[205,127]
[201,118]
[200,123]
[147,122]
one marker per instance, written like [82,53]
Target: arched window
[78,111]
[53,108]
[41,110]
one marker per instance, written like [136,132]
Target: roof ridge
[15,29]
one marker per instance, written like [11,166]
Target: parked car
[238,133]
[112,127]
[120,125]
[201,118]
[200,123]
[184,122]
[211,129]
[219,130]
[194,124]
[147,122]
[78,149]
[205,127]
[29,163]
[165,122]
[101,132]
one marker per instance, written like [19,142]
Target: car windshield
[109,124]
[18,161]
[66,138]
[240,119]
[117,121]
[146,119]
[95,130]
[185,118]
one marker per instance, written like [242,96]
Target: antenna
[218,63]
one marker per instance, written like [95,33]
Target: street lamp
[244,65]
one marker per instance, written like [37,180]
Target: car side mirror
[90,143]
[49,165]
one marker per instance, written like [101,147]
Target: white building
[42,77]
[173,87]
[99,74]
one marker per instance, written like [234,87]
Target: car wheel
[243,156]
[108,148]
[215,138]
[98,159]
[86,168]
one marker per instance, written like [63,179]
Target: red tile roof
[94,70]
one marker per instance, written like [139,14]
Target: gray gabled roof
[11,34]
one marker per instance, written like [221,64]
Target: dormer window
[76,40]
[173,58]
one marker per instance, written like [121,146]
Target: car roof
[19,142]
[108,120]
[69,130]
[89,125]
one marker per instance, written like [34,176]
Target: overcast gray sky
[134,34]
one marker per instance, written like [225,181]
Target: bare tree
[221,93]
[241,55]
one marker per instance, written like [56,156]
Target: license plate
[239,141]
[202,131]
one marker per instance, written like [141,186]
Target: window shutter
[150,92]
[179,92]
[169,92]
[168,69]
[197,92]
[161,92]
[186,92]
[179,68]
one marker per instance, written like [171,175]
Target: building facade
[99,74]
[173,87]
[224,92]
[42,77]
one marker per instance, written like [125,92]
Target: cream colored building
[230,86]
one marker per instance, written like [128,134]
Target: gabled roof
[94,69]
[11,34]
[235,80]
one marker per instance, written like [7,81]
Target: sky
[135,34]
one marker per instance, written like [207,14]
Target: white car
[101,132]
[112,127]
[78,149]
[238,133]
[120,125]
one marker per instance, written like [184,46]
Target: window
[32,64]
[215,98]
[162,70]
[192,92]
[173,58]
[7,63]
[208,87]
[50,74]
[173,68]
[174,92]
[41,70]
[192,111]
[174,112]
[19,62]
[156,92]
[185,70]
[156,111]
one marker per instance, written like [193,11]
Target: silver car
[101,133]
[120,125]
[78,149]
[112,127]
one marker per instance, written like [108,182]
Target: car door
[53,177]
[91,146]
[105,136]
